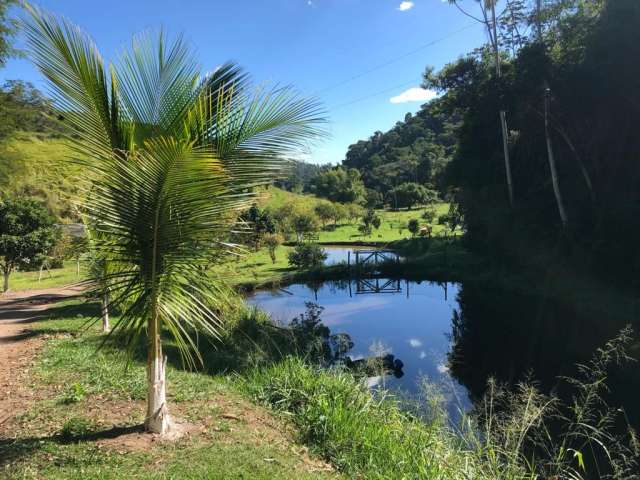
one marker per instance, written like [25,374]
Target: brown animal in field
[425,231]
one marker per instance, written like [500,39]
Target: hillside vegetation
[37,165]
[415,150]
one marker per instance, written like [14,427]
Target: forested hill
[416,150]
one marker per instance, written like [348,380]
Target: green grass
[31,164]
[57,277]
[392,228]
[365,437]
[84,397]
[274,197]
[254,267]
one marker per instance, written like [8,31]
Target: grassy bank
[85,414]
[258,411]
[436,259]
[254,268]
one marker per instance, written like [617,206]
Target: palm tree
[172,158]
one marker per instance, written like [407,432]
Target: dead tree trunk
[552,161]
[492,29]
[104,310]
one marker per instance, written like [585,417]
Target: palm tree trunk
[104,310]
[552,160]
[158,419]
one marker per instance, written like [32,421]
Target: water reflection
[395,332]
[512,334]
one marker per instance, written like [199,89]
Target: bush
[429,214]
[410,194]
[307,255]
[272,242]
[77,427]
[325,212]
[413,226]
[304,223]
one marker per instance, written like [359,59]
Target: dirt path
[18,345]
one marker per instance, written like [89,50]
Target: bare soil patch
[19,346]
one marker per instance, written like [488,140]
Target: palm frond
[158,81]
[80,86]
[173,159]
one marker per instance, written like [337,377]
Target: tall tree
[490,21]
[173,157]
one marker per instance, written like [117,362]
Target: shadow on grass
[12,450]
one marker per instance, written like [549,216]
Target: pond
[460,335]
[409,320]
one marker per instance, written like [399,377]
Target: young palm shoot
[173,158]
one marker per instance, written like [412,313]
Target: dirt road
[18,344]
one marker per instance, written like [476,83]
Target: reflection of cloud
[443,368]
[337,313]
[415,343]
[422,355]
[373,381]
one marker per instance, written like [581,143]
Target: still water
[460,335]
[410,320]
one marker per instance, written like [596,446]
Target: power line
[394,60]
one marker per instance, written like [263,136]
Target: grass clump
[362,435]
[77,427]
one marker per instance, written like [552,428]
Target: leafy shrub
[413,226]
[429,214]
[307,255]
[75,394]
[77,427]
[272,241]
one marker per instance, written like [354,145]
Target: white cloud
[404,6]
[415,343]
[443,368]
[414,94]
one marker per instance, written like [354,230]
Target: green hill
[415,150]
[32,164]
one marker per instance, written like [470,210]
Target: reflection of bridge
[374,285]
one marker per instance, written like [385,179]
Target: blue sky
[330,49]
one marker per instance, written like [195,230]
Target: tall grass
[517,433]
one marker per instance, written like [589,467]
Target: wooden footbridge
[373,257]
